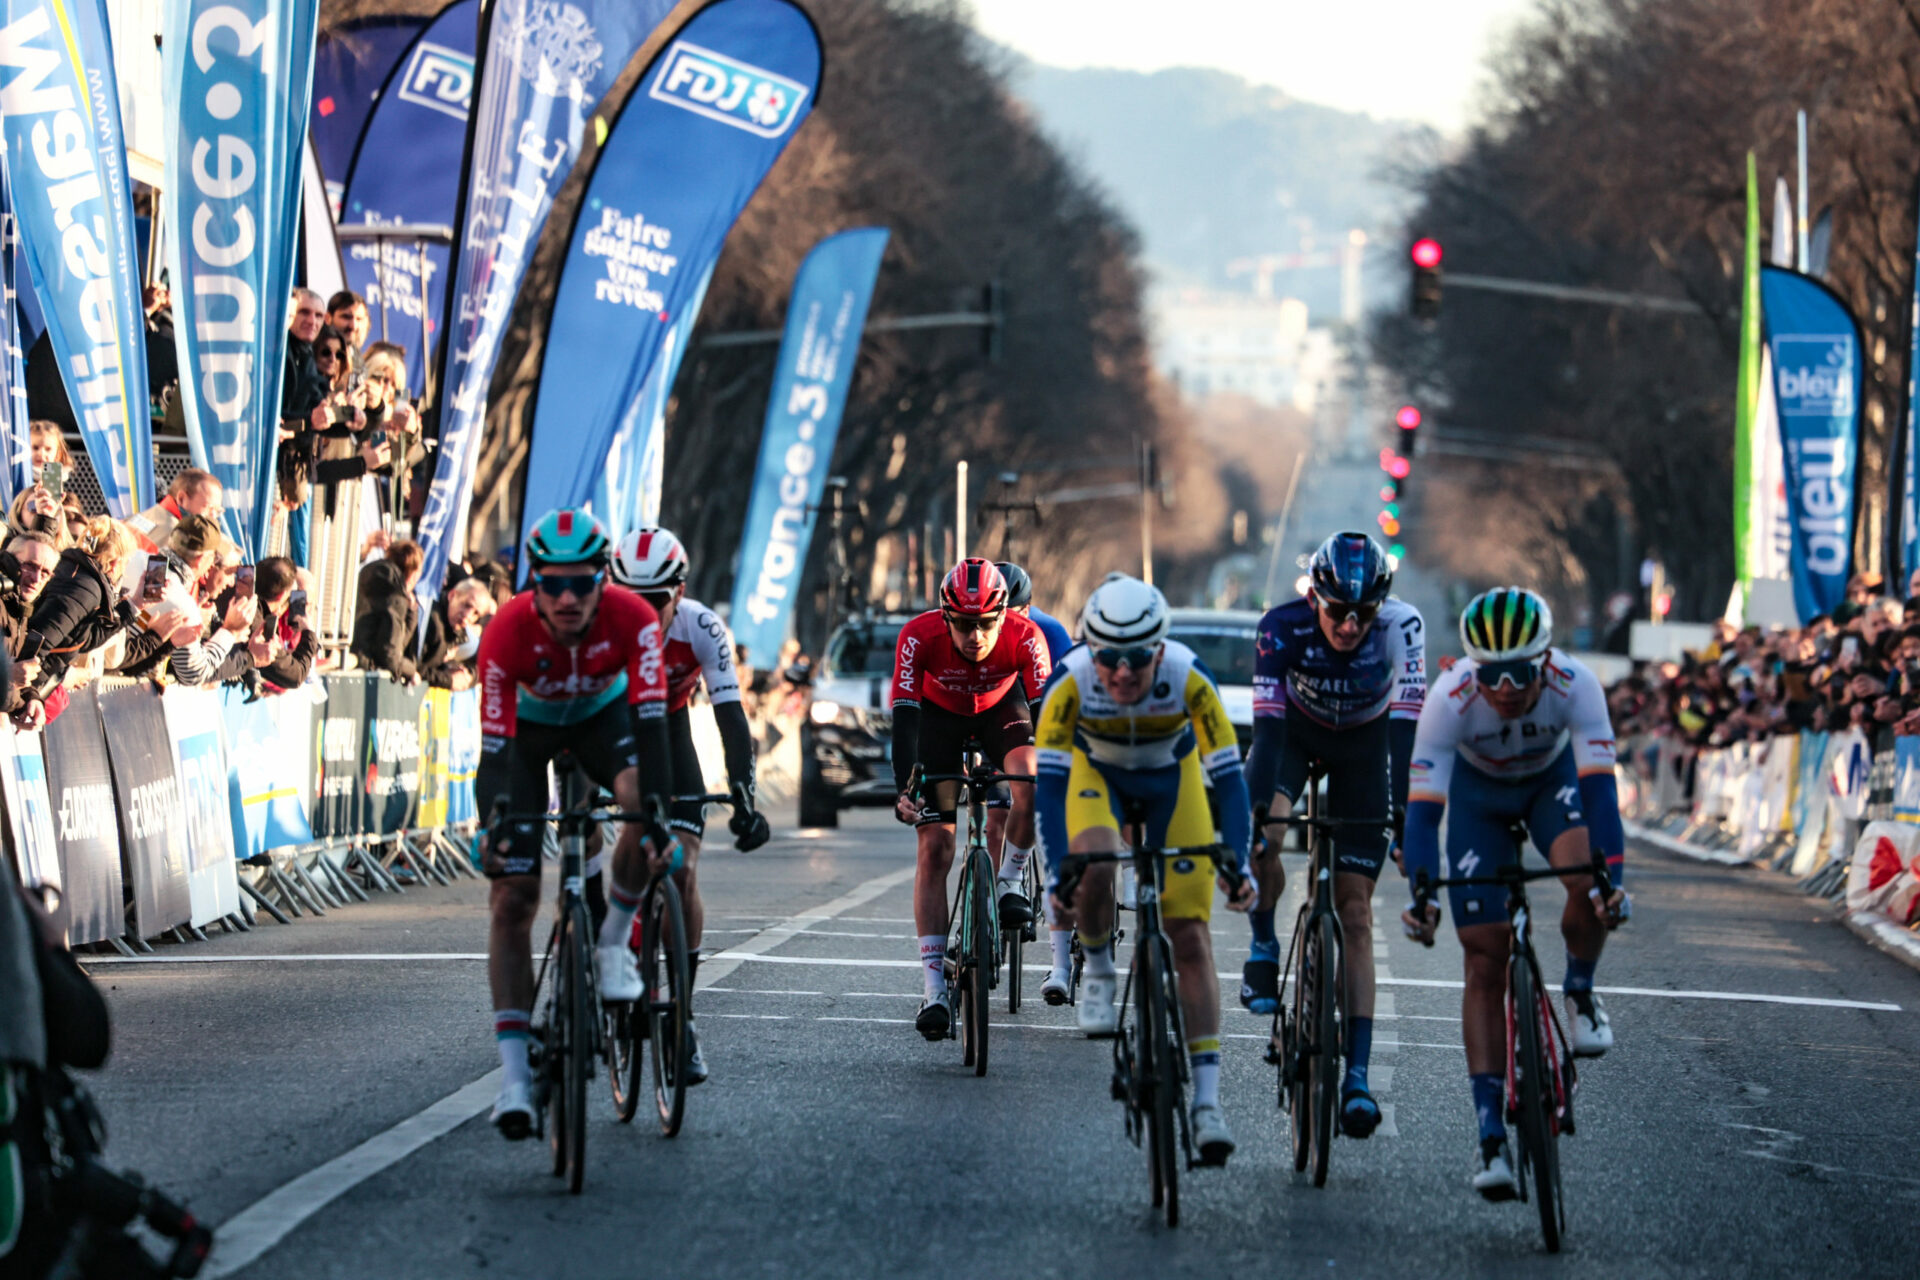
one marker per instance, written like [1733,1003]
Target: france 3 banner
[23,788]
[16,465]
[60,111]
[825,317]
[153,817]
[1815,346]
[80,785]
[463,755]
[548,63]
[406,169]
[687,151]
[236,75]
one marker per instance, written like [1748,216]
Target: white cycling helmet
[1506,624]
[1124,613]
[650,560]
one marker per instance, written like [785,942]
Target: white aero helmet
[1124,613]
[650,560]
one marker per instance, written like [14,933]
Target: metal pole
[960,514]
[1802,194]
[1146,512]
[426,363]
[1280,527]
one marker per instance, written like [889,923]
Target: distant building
[1212,343]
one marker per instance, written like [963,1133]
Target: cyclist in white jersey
[1518,731]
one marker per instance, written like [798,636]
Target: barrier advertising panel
[393,757]
[153,821]
[80,784]
[200,763]
[339,732]
[269,769]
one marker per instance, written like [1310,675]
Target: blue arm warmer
[1263,759]
[1236,815]
[1050,817]
[1601,799]
[1421,851]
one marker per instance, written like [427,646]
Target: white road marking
[1387,1129]
[758,1017]
[87,961]
[763,991]
[243,1238]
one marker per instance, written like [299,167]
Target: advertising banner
[200,763]
[818,351]
[269,769]
[153,818]
[352,64]
[463,755]
[406,169]
[393,757]
[340,734]
[547,66]
[80,785]
[1906,779]
[237,77]
[60,110]
[1747,387]
[23,786]
[1909,510]
[16,445]
[1815,347]
[687,151]
[436,740]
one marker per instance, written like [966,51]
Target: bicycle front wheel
[977,961]
[668,974]
[572,1043]
[1533,1079]
[1324,1095]
[1160,1076]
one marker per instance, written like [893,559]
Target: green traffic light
[1397,551]
[1393,509]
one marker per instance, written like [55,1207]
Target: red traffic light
[1426,253]
[1407,418]
[1387,458]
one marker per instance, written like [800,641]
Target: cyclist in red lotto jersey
[969,669]
[574,664]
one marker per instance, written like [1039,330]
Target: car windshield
[863,649]
[1227,651]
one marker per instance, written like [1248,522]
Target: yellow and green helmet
[1506,624]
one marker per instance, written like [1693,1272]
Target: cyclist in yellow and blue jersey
[1132,715]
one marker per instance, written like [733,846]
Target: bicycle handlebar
[1073,868]
[1515,875]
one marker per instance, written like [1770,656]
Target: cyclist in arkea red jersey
[576,665]
[969,669]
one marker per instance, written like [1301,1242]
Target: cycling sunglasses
[658,599]
[1134,659]
[1519,672]
[963,622]
[1338,612]
[556,585]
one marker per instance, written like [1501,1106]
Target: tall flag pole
[1747,392]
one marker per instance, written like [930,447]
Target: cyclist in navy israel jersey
[1339,676]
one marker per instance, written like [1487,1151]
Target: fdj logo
[439,79]
[728,90]
[1815,374]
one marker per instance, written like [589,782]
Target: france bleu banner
[626,494]
[16,444]
[406,169]
[60,110]
[825,316]
[1815,346]
[237,75]
[1909,510]
[692,143]
[547,64]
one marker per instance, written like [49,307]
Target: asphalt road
[1726,1135]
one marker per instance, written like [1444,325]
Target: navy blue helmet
[1350,568]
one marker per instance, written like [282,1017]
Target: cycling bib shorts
[1174,799]
[1481,811]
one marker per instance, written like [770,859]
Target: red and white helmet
[974,588]
[650,560]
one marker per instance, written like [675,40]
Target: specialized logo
[728,90]
[439,79]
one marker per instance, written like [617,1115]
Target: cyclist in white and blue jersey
[1518,731]
[1338,678]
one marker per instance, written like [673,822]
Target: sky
[1405,59]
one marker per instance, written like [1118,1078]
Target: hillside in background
[1209,167]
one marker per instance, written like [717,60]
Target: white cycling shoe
[696,1064]
[1587,1017]
[1057,987]
[1098,1015]
[1495,1180]
[513,1110]
[1211,1135]
[620,974]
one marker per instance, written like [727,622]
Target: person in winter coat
[383,634]
[78,611]
[281,648]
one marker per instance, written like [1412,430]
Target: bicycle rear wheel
[1533,1079]
[668,974]
[1294,1032]
[625,1030]
[1160,1076]
[570,1043]
[1324,1094]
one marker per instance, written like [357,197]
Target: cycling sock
[1203,1059]
[1013,863]
[1062,942]
[1489,1092]
[510,1035]
[933,962]
[622,906]
[693,968]
[1046,905]
[1579,974]
[1359,1050]
[1099,956]
[1266,946]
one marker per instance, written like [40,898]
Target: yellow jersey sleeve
[1212,730]
[1059,713]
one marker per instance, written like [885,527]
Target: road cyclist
[1134,718]
[573,664]
[1516,731]
[968,669]
[1339,677]
[698,648]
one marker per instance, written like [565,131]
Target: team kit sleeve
[1429,774]
[1219,751]
[1591,729]
[713,646]
[1269,711]
[647,697]
[1035,663]
[1409,650]
[908,675]
[499,710]
[1053,738]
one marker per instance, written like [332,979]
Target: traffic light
[1425,298]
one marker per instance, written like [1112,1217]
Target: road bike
[665,1010]
[1150,1071]
[1014,940]
[1541,1080]
[1308,1037]
[973,951]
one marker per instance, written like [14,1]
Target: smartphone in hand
[153,581]
[53,478]
[243,581]
[297,604]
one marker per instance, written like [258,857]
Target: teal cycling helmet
[568,536]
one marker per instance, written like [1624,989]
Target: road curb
[1878,932]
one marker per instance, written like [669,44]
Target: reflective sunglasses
[1338,612]
[1134,659]
[658,599]
[1519,672]
[558,584]
[985,622]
